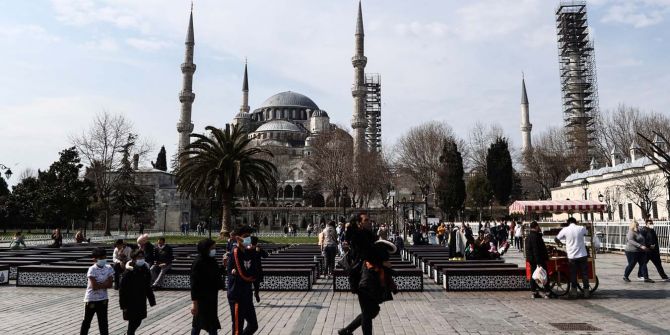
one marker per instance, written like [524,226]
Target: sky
[440,60]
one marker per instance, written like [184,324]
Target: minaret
[358,90]
[526,126]
[186,96]
[245,92]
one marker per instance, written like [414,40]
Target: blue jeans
[580,263]
[636,258]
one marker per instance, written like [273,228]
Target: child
[257,254]
[100,278]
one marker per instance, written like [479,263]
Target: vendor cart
[558,269]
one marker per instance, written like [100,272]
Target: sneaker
[647,280]
[640,278]
[626,279]
[535,295]
[344,331]
[666,279]
[258,297]
[587,292]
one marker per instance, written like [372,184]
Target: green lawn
[195,239]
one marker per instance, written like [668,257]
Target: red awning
[557,206]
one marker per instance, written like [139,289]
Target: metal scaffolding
[576,58]
[373,112]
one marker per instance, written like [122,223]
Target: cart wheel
[556,286]
[593,288]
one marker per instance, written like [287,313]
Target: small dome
[243,115]
[289,99]
[319,113]
[279,125]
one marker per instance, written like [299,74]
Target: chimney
[635,152]
[136,161]
[614,156]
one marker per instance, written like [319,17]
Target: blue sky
[456,61]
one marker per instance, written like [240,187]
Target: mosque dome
[289,99]
[279,125]
[320,113]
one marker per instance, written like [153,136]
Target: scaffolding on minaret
[578,77]
[373,112]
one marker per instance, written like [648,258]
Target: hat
[390,246]
[143,238]
[244,230]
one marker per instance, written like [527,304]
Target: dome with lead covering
[279,125]
[289,99]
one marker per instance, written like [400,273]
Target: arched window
[297,192]
[288,191]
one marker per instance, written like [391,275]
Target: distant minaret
[526,126]
[358,90]
[186,96]
[245,92]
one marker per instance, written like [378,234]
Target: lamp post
[211,215]
[424,193]
[404,219]
[345,190]
[601,198]
[585,187]
[392,195]
[165,205]
[8,171]
[412,199]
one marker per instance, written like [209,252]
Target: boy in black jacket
[257,254]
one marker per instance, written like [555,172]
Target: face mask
[139,262]
[101,262]
[247,241]
[212,253]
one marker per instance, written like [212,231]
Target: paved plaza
[617,308]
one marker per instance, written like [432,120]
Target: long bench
[436,269]
[407,280]
[51,276]
[484,279]
[13,266]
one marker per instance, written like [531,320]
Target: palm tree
[218,163]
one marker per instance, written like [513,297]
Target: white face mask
[139,262]
[212,253]
[101,262]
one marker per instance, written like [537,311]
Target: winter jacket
[239,283]
[135,290]
[634,241]
[164,255]
[206,281]
[536,250]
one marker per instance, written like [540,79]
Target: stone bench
[51,276]
[436,269]
[4,274]
[13,266]
[484,279]
[274,279]
[407,280]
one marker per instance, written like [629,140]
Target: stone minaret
[358,90]
[186,96]
[245,92]
[526,126]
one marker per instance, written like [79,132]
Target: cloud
[85,12]
[21,32]
[418,29]
[631,14]
[103,44]
[147,44]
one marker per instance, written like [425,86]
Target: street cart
[558,268]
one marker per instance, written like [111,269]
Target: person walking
[257,256]
[518,233]
[653,254]
[329,247]
[135,290]
[241,276]
[100,277]
[635,253]
[372,281]
[206,281]
[537,256]
[164,258]
[120,256]
[575,247]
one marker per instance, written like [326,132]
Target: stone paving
[617,308]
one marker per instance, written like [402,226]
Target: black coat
[135,290]
[536,250]
[164,255]
[149,253]
[206,281]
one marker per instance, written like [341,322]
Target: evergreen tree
[127,197]
[451,186]
[499,170]
[161,160]
[479,191]
[517,188]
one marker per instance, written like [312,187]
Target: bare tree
[642,190]
[418,152]
[549,162]
[618,129]
[101,148]
[480,138]
[331,163]
[27,173]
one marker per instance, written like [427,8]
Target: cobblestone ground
[616,308]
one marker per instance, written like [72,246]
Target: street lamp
[585,186]
[404,219]
[412,199]
[345,190]
[165,205]
[392,195]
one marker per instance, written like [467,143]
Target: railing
[613,235]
